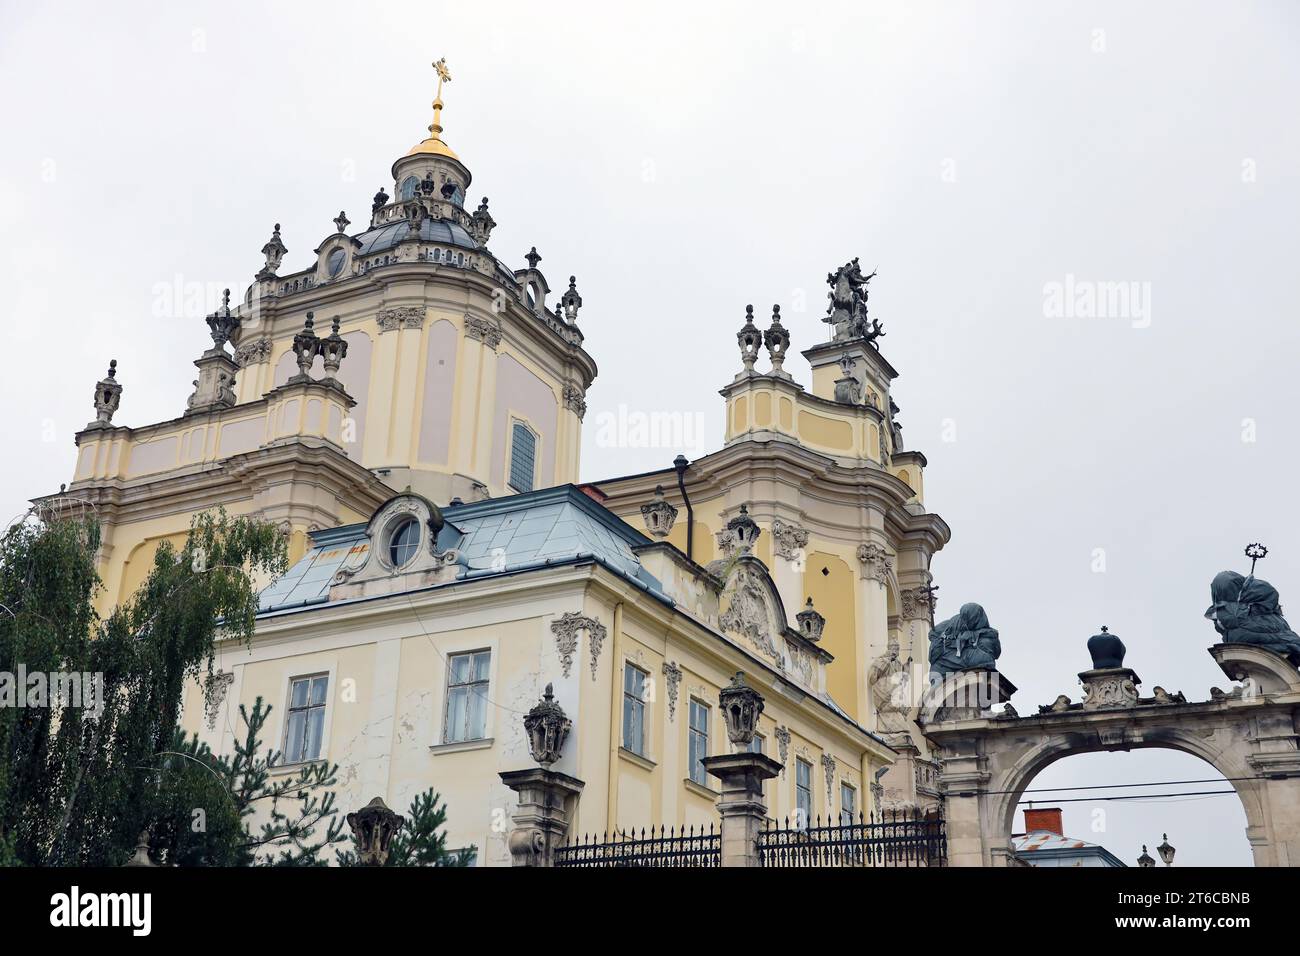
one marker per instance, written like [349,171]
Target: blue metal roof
[431,230]
[495,536]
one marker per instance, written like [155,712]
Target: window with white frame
[304,725]
[848,804]
[802,792]
[634,684]
[697,741]
[467,694]
[523,457]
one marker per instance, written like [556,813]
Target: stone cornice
[810,473]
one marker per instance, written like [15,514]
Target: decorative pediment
[754,617]
[406,538]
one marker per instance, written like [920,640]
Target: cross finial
[1255,551]
[444,76]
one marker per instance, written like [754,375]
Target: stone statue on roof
[847,312]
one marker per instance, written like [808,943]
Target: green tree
[79,785]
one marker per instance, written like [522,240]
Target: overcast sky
[684,160]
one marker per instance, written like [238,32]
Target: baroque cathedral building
[407,409]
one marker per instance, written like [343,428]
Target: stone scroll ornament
[566,629]
[1247,610]
[964,642]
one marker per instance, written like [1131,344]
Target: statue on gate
[1247,610]
[964,642]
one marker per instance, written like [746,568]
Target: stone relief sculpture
[1246,610]
[889,679]
[964,642]
[748,615]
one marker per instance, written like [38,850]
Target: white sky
[685,159]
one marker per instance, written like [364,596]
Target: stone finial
[547,728]
[533,258]
[811,623]
[333,348]
[341,221]
[305,345]
[658,514]
[274,251]
[374,827]
[222,323]
[749,339]
[777,341]
[108,395]
[740,705]
[380,201]
[481,223]
[1146,859]
[571,301]
[743,531]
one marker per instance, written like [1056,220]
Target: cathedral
[407,408]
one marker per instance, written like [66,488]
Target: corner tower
[401,355]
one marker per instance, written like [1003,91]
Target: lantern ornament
[374,827]
[305,345]
[658,514]
[1165,850]
[571,301]
[740,705]
[743,531]
[811,623]
[333,348]
[1146,859]
[547,728]
[750,340]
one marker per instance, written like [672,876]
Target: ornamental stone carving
[917,603]
[828,767]
[783,746]
[876,563]
[253,353]
[790,540]
[402,317]
[748,613]
[221,682]
[483,330]
[575,400]
[566,629]
[672,680]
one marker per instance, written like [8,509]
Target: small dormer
[533,283]
[334,255]
[408,544]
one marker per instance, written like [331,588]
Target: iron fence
[669,846]
[893,839]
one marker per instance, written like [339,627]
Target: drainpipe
[681,464]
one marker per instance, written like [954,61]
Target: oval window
[404,542]
[336,260]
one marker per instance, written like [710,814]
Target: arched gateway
[1249,735]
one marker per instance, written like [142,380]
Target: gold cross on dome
[444,75]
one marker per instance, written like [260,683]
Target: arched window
[409,185]
[523,457]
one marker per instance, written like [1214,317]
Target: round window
[404,542]
[336,260]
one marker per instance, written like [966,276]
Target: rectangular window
[304,725]
[467,693]
[634,709]
[523,457]
[698,741]
[802,792]
[848,804]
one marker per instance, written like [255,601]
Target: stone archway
[1249,735]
